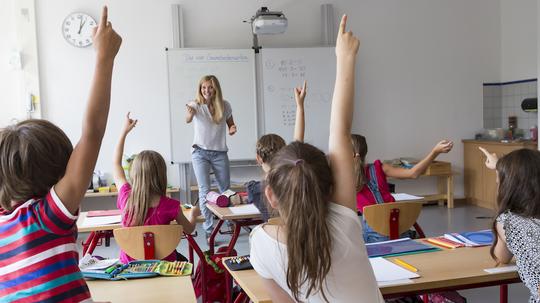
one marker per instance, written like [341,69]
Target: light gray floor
[434,219]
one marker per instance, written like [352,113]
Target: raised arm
[414,172]
[339,146]
[491,159]
[118,171]
[72,187]
[299,123]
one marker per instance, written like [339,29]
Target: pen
[405,265]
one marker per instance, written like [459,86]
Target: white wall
[518,39]
[422,64]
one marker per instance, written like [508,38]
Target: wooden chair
[393,219]
[149,242]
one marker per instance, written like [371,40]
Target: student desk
[97,232]
[157,290]
[445,182]
[224,213]
[448,269]
[115,193]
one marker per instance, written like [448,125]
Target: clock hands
[81,25]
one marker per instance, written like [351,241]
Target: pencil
[405,265]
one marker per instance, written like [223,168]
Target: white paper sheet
[105,220]
[248,209]
[405,197]
[387,271]
[496,270]
[395,282]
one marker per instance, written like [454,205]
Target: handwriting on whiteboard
[188,58]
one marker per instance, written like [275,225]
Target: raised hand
[300,94]
[491,159]
[106,41]
[129,124]
[443,146]
[346,43]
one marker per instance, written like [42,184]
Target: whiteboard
[235,70]
[282,70]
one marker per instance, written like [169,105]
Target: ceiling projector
[268,22]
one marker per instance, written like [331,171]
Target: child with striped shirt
[42,182]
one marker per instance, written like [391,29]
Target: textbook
[110,269]
[398,247]
[444,242]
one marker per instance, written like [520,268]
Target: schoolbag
[214,276]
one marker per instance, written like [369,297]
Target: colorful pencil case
[140,269]
[239,263]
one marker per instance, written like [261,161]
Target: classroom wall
[421,67]
[8,82]
[518,39]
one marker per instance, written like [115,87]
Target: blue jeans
[371,236]
[203,160]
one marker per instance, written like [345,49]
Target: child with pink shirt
[143,202]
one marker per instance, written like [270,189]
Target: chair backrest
[379,216]
[150,241]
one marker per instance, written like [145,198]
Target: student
[516,228]
[317,255]
[267,147]
[211,115]
[42,182]
[371,184]
[144,202]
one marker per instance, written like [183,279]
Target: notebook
[386,271]
[398,247]
[473,238]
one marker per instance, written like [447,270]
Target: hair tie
[356,155]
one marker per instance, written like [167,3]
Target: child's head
[299,186]
[518,175]
[149,179]
[33,157]
[267,147]
[519,183]
[210,90]
[360,150]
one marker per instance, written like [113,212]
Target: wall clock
[77,29]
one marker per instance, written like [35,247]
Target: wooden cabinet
[480,182]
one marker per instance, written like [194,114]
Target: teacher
[211,116]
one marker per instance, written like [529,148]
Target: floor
[434,219]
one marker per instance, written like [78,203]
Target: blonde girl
[144,202]
[211,116]
[317,254]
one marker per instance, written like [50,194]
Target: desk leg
[228,287]
[450,191]
[234,238]
[441,189]
[92,242]
[503,293]
[213,235]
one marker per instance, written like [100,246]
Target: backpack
[214,276]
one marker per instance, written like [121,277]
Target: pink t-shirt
[365,197]
[164,213]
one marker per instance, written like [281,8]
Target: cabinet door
[473,173]
[490,176]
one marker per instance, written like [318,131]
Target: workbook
[472,238]
[398,247]
[94,268]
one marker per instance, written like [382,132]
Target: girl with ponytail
[317,253]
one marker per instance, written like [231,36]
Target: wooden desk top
[224,213]
[115,193]
[441,269]
[251,283]
[84,229]
[157,290]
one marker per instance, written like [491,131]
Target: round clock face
[77,29]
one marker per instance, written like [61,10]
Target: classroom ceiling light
[267,22]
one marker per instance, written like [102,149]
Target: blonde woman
[144,201]
[211,116]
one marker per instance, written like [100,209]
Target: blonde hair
[360,150]
[301,181]
[268,146]
[217,99]
[149,179]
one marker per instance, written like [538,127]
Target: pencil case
[141,269]
[239,263]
